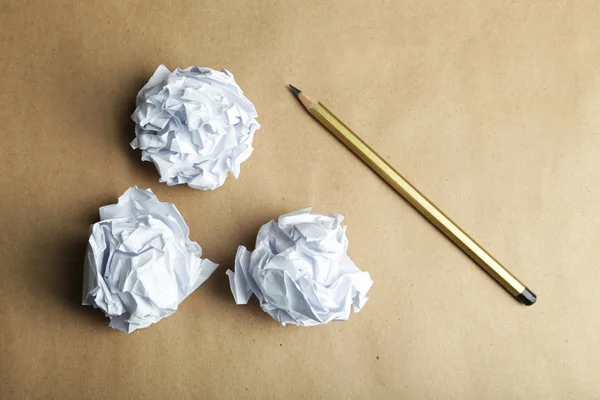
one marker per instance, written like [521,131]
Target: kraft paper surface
[492,109]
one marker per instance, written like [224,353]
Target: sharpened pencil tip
[294,90]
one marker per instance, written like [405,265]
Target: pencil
[410,193]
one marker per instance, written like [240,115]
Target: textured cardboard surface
[490,108]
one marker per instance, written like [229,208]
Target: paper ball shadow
[126,107]
[71,281]
[61,278]
[217,287]
[56,276]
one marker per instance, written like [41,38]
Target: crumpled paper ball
[299,271]
[140,263]
[195,125]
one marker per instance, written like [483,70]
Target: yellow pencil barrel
[484,259]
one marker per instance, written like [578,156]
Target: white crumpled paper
[195,125]
[140,263]
[300,272]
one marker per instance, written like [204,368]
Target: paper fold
[299,271]
[195,125]
[140,263]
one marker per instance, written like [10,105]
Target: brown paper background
[491,108]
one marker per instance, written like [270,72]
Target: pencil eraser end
[527,297]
